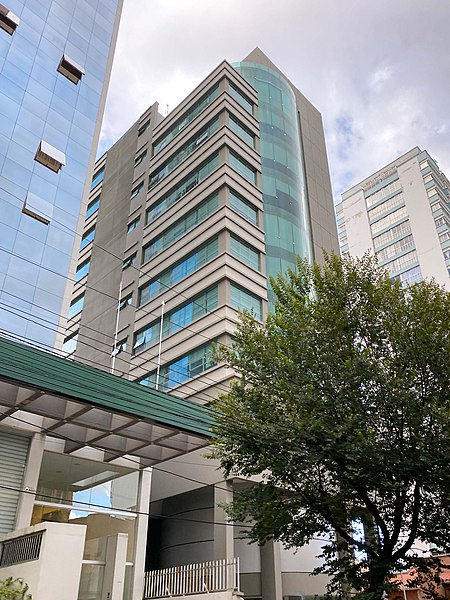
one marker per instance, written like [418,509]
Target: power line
[139,270]
[116,300]
[218,384]
[80,505]
[66,438]
[203,393]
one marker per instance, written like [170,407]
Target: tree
[14,589]
[343,408]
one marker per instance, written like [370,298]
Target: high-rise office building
[187,217]
[55,63]
[401,214]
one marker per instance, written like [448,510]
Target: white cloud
[377,71]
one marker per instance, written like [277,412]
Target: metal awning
[88,407]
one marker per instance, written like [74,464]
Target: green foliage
[343,408]
[14,589]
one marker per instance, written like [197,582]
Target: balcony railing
[214,576]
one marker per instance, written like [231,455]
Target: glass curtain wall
[286,214]
[52,72]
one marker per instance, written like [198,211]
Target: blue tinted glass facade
[37,102]
[286,215]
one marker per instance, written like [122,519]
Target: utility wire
[153,359]
[139,270]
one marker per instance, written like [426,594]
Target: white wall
[423,228]
[56,574]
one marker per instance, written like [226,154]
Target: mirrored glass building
[55,63]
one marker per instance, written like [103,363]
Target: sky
[377,70]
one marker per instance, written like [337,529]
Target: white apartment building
[401,213]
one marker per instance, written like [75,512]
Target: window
[406,243]
[243,132]
[409,277]
[146,337]
[38,208]
[98,177]
[244,252]
[70,343]
[441,221]
[240,97]
[388,189]
[240,165]
[191,311]
[76,306]
[121,346]
[243,207]
[244,300]
[187,265]
[129,262]
[185,151]
[447,254]
[444,237]
[87,238]
[183,187]
[402,262]
[70,69]
[384,207]
[388,220]
[188,116]
[126,301]
[135,191]
[50,157]
[182,369]
[392,234]
[92,206]
[182,226]
[8,20]
[140,158]
[82,269]
[143,128]
[176,319]
[132,226]
[428,178]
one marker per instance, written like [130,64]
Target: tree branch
[414,524]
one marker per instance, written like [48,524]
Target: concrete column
[116,557]
[271,584]
[140,547]
[223,532]
[30,481]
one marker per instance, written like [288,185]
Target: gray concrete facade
[179,247]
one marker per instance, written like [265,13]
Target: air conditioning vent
[298,597]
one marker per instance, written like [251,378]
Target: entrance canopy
[88,407]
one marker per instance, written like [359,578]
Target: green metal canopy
[88,407]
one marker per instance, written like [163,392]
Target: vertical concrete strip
[223,532]
[271,585]
[30,481]
[116,557]
[143,507]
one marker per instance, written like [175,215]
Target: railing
[21,549]
[214,576]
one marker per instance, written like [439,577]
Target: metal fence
[21,549]
[214,576]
